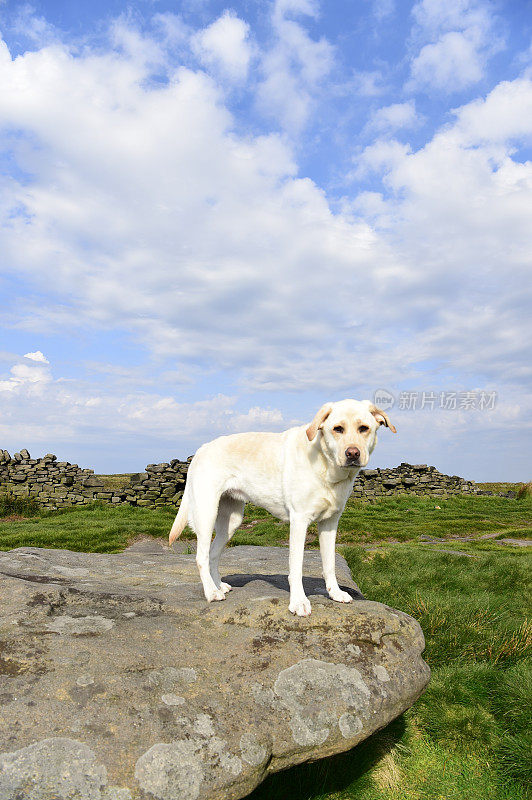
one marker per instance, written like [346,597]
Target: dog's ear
[318,421]
[381,417]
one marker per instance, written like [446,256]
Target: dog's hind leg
[205,514]
[230,513]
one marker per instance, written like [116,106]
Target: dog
[302,475]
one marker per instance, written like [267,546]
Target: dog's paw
[340,596]
[301,608]
[217,594]
[225,587]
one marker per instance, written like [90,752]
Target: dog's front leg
[327,533]
[299,602]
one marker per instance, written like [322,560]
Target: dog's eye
[338,429]
[363,429]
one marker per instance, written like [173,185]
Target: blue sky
[214,218]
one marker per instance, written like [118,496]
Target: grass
[101,527]
[405,518]
[467,738]
[96,528]
[12,506]
[500,487]
[516,533]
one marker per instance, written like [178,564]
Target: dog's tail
[181,519]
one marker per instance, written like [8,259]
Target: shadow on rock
[312,586]
[330,775]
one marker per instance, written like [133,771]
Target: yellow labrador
[302,475]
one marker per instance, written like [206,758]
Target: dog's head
[347,431]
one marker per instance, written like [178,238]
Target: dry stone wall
[56,484]
[410,479]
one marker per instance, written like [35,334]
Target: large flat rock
[119,682]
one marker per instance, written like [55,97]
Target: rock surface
[119,682]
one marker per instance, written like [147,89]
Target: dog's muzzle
[352,456]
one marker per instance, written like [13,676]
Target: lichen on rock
[313,691]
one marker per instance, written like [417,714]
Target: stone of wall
[57,484]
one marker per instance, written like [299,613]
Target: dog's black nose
[352,454]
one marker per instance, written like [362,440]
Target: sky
[214,218]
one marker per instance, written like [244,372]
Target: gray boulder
[119,682]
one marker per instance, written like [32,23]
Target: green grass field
[468,737]
[405,518]
[500,487]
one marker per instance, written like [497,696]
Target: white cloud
[435,16]
[23,374]
[285,8]
[125,38]
[293,68]
[30,379]
[383,8]
[369,83]
[451,64]
[461,38]
[225,46]
[392,117]
[37,356]
[27,24]
[378,156]
[503,117]
[174,29]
